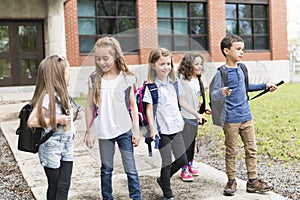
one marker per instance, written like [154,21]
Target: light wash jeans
[107,152]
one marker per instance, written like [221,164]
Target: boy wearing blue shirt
[237,117]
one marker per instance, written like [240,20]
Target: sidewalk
[85,177]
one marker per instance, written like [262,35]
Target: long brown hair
[186,67]
[51,81]
[154,56]
[114,48]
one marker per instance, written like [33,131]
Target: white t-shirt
[113,117]
[58,111]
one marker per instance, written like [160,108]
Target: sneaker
[185,176]
[165,198]
[258,186]
[230,188]
[193,171]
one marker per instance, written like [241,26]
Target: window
[99,18]
[250,21]
[182,26]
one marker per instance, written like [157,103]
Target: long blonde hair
[115,50]
[51,81]
[154,55]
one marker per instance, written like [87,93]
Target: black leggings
[59,181]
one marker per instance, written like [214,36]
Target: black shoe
[258,186]
[230,188]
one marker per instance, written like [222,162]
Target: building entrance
[21,50]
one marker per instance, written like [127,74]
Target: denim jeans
[107,151]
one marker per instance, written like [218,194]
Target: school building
[33,29]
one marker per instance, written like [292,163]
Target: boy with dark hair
[236,116]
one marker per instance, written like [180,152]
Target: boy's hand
[226,91]
[136,140]
[271,87]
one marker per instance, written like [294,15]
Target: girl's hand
[63,119]
[136,140]
[207,111]
[153,136]
[201,119]
[89,139]
[271,87]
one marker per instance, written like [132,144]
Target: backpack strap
[177,92]
[245,71]
[202,107]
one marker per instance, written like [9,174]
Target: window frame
[252,36]
[117,35]
[189,18]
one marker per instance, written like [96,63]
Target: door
[21,50]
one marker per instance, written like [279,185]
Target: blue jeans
[107,152]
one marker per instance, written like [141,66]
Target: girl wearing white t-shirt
[110,95]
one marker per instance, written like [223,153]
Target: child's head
[109,55]
[191,65]
[160,63]
[227,42]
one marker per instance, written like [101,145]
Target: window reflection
[28,68]
[4,39]
[27,38]
[5,69]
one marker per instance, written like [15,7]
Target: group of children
[175,120]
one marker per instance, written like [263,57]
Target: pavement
[85,178]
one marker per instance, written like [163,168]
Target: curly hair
[186,67]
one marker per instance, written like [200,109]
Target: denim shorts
[59,147]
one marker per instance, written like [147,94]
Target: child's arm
[185,106]
[135,120]
[89,139]
[150,117]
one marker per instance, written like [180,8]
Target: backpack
[30,138]
[217,106]
[143,121]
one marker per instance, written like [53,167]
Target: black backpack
[30,138]
[217,106]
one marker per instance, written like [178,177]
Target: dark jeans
[107,152]
[169,144]
[59,181]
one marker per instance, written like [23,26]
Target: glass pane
[245,27]
[106,8]
[231,11]
[4,39]
[199,44]
[180,10]
[86,44]
[244,11]
[86,8]
[180,26]
[260,11]
[248,43]
[87,26]
[165,42]
[261,43]
[126,8]
[27,38]
[164,26]
[107,26]
[198,26]
[5,68]
[181,43]
[126,24]
[28,68]
[260,27]
[231,27]
[163,9]
[197,10]
[128,44]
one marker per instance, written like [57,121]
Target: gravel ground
[284,176]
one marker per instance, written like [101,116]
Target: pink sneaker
[193,171]
[185,176]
